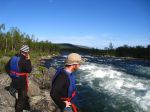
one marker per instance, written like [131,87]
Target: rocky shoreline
[39,90]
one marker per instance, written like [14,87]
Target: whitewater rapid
[118,83]
[111,84]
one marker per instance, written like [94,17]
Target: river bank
[99,70]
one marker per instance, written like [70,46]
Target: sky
[92,23]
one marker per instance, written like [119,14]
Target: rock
[35,99]
[52,72]
[35,70]
[7,102]
[45,103]
[39,92]
[34,89]
[43,77]
[4,80]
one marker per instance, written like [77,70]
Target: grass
[38,75]
[3,61]
[41,68]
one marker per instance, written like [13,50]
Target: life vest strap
[69,99]
[22,74]
[74,107]
[18,74]
[73,94]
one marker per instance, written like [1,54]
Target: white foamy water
[117,82]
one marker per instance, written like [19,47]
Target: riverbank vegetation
[126,51]
[13,39]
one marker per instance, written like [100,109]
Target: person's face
[25,54]
[76,67]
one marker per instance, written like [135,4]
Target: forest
[13,39]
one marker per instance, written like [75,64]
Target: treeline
[122,51]
[66,48]
[135,52]
[12,40]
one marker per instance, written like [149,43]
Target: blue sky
[93,23]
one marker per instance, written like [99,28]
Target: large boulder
[39,92]
[43,103]
[7,102]
[43,76]
[34,89]
[40,100]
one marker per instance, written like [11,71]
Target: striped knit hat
[24,48]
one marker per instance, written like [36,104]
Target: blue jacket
[18,64]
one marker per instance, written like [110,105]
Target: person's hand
[68,104]
[27,56]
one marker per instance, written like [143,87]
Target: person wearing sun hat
[63,91]
[18,68]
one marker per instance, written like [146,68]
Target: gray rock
[44,78]
[34,89]
[43,103]
[39,93]
[7,102]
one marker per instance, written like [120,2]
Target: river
[111,84]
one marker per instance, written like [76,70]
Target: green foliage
[2,69]
[135,52]
[35,56]
[1,54]
[12,40]
[41,68]
[11,53]
[38,75]
[3,62]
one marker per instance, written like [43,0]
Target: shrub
[1,54]
[41,68]
[11,53]
[38,75]
[3,62]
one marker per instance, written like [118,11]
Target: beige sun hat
[73,58]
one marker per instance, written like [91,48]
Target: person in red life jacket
[63,91]
[18,68]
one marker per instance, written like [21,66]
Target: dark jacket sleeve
[25,66]
[60,90]
[29,69]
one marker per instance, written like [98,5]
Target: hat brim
[75,62]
